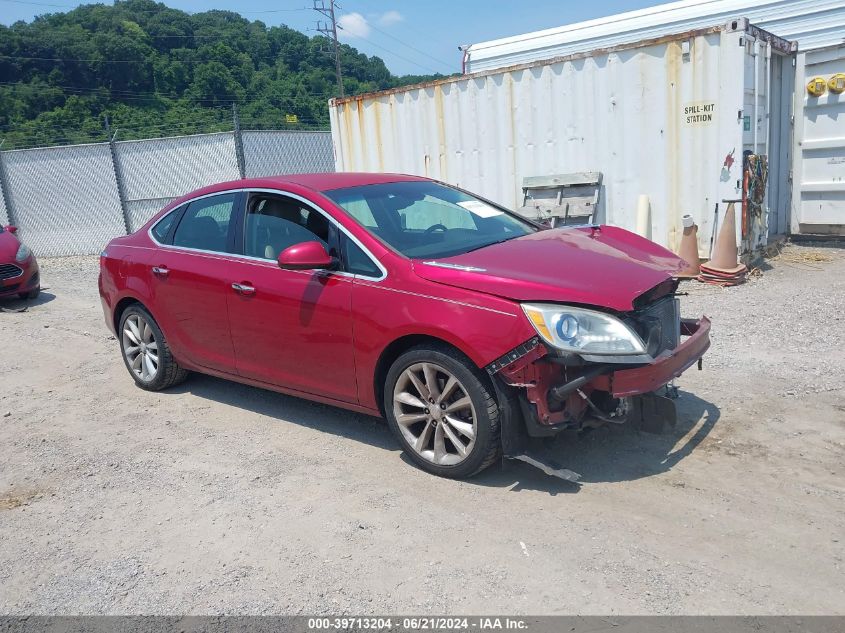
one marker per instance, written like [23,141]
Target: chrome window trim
[248,258]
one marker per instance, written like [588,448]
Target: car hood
[8,247]
[607,267]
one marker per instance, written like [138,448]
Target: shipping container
[818,205]
[811,23]
[669,118]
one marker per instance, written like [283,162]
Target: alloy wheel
[140,347]
[435,414]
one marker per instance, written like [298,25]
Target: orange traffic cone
[689,249]
[724,268]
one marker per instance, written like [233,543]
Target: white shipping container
[819,173]
[668,117]
[811,23]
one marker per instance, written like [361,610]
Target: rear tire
[441,409]
[145,351]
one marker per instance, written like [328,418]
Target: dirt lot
[221,498]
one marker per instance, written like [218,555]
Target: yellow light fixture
[837,83]
[817,86]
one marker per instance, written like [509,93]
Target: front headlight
[583,331]
[23,253]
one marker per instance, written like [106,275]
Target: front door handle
[243,289]
[161,271]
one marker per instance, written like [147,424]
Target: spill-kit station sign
[699,112]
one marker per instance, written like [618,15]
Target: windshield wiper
[507,239]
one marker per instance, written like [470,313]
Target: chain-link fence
[4,215]
[269,153]
[155,171]
[72,200]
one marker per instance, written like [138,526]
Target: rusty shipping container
[668,118]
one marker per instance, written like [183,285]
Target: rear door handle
[161,271]
[244,289]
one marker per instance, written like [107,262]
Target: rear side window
[161,230]
[205,224]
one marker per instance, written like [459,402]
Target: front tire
[145,351]
[31,294]
[441,410]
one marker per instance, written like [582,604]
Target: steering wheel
[436,227]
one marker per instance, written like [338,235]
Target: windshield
[423,219]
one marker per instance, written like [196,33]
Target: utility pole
[326,8]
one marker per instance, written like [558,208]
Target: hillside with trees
[150,70]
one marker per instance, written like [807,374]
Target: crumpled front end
[559,390]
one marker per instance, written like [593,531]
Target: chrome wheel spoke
[409,399]
[150,367]
[448,388]
[456,441]
[422,441]
[411,418]
[459,405]
[131,331]
[439,445]
[464,428]
[418,384]
[430,374]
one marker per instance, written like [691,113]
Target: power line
[404,43]
[165,95]
[402,57]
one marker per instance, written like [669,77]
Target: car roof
[339,180]
[315,182]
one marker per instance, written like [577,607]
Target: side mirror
[12,229]
[306,256]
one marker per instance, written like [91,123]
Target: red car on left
[18,267]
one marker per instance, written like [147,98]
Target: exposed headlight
[23,253]
[583,331]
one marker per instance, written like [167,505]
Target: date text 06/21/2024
[429,623]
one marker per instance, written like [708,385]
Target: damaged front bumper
[665,368]
[542,394]
[553,394]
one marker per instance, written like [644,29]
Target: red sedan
[469,328]
[19,274]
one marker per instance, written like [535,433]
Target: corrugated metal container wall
[664,119]
[812,23]
[819,172]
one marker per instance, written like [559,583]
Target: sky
[412,37]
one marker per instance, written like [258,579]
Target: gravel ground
[220,498]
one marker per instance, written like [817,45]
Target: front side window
[205,224]
[273,223]
[357,261]
[423,219]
